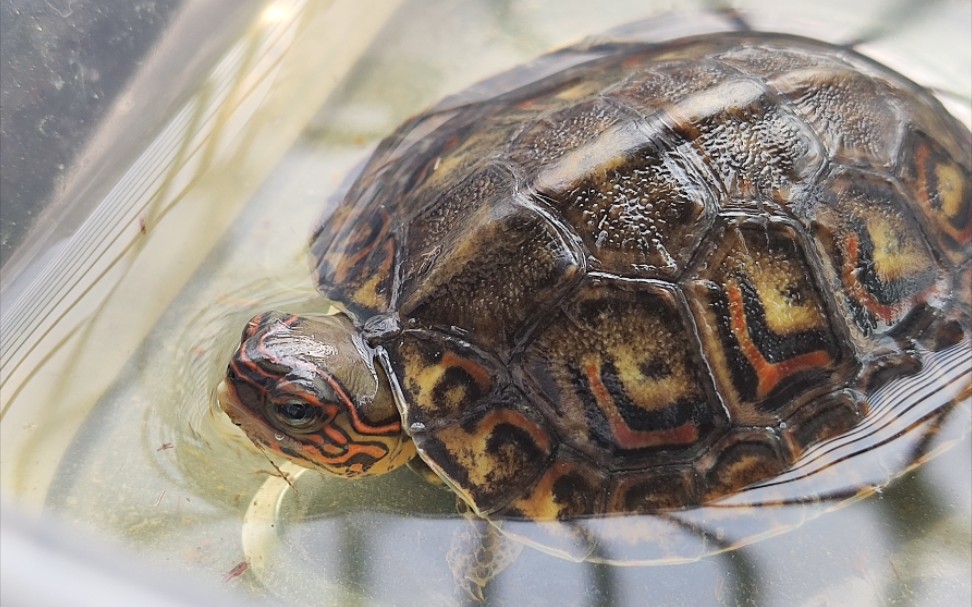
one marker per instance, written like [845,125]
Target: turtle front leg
[479,552]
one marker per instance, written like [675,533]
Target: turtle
[636,282]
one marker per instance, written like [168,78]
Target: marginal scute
[745,456]
[828,417]
[562,501]
[489,457]
[440,377]
[621,375]
[356,254]
[569,488]
[654,490]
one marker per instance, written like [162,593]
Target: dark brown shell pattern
[658,276]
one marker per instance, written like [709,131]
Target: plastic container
[185,206]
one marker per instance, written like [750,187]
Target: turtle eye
[298,415]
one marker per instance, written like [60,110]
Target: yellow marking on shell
[624,434]
[950,181]
[784,312]
[741,472]
[651,393]
[424,379]
[652,490]
[368,295]
[768,374]
[445,167]
[562,507]
[539,504]
[580,90]
[894,256]
[489,462]
[943,190]
[454,395]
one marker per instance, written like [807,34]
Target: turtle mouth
[230,403]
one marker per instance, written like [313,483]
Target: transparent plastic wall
[105,223]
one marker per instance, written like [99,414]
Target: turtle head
[308,389]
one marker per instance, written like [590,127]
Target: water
[156,464]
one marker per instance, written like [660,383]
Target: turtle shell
[658,275]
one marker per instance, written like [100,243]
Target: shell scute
[743,457]
[445,223]
[442,378]
[570,487]
[653,90]
[611,393]
[758,150]
[355,255]
[638,206]
[830,416]
[767,58]
[870,244]
[853,114]
[556,133]
[654,490]
[940,186]
[494,454]
[766,328]
[494,275]
[556,507]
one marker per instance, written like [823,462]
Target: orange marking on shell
[601,394]
[518,420]
[480,374]
[626,437]
[923,164]
[856,289]
[768,374]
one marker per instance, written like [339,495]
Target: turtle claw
[479,553]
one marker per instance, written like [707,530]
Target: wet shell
[659,275]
